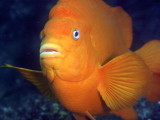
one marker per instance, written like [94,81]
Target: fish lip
[50,51]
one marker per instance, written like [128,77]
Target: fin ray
[37,79]
[119,90]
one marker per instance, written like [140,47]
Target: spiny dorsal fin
[125,23]
[37,79]
[122,18]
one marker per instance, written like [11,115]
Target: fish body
[97,48]
[86,62]
[74,95]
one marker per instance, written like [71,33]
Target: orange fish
[87,64]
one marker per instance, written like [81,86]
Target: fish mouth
[50,51]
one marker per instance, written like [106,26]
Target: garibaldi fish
[87,64]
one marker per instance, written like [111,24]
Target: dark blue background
[20,24]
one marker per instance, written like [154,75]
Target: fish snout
[51,51]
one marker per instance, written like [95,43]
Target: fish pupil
[76,34]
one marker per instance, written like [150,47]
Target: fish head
[66,49]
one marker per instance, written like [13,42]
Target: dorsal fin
[122,18]
[125,23]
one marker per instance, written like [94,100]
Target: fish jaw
[50,51]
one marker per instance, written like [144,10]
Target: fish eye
[76,34]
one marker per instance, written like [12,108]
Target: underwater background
[20,24]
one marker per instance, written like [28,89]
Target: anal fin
[127,114]
[153,93]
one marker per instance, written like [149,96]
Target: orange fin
[125,23]
[123,81]
[127,114]
[153,93]
[122,19]
[88,116]
[36,78]
[150,53]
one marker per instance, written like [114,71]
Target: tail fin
[150,53]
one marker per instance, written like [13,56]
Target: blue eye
[76,34]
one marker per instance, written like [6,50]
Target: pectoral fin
[123,81]
[36,78]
